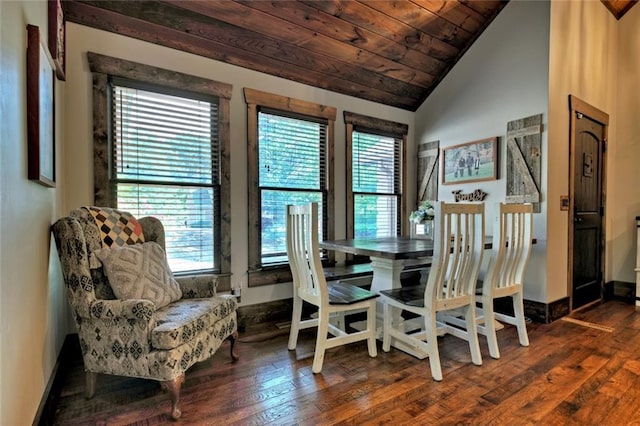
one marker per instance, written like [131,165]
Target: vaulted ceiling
[393,52]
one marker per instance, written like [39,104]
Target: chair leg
[173,386]
[340,321]
[232,340]
[518,309]
[386,326]
[490,327]
[91,379]
[295,323]
[321,343]
[432,345]
[472,334]
[371,327]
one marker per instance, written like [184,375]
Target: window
[290,156]
[165,163]
[376,185]
[161,144]
[375,182]
[292,169]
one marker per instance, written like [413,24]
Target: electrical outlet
[236,290]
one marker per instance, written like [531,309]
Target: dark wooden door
[587,211]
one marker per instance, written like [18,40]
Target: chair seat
[181,321]
[347,294]
[411,295]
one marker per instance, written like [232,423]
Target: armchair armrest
[139,309]
[197,286]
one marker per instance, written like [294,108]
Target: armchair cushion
[179,322]
[140,271]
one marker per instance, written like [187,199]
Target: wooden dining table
[388,255]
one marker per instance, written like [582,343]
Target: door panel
[587,217]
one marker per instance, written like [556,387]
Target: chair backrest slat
[512,242]
[458,247]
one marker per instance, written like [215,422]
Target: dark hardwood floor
[572,374]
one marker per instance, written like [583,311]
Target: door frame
[576,105]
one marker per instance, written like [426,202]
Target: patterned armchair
[132,336]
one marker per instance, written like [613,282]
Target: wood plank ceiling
[394,52]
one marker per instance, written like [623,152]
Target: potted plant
[422,220]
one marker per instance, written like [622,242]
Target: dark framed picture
[57,37]
[40,110]
[470,162]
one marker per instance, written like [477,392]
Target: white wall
[32,305]
[623,191]
[583,61]
[79,149]
[503,77]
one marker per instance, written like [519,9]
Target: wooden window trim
[363,123]
[102,67]
[255,99]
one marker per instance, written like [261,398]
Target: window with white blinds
[376,185]
[165,163]
[292,170]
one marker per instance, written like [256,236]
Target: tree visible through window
[165,163]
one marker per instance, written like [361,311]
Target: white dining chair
[512,240]
[458,250]
[511,249]
[310,285]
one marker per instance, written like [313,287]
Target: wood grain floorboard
[571,374]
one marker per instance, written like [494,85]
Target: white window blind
[165,163]
[292,170]
[376,185]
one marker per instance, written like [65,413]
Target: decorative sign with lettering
[477,195]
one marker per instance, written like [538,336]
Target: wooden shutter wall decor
[524,161]
[427,171]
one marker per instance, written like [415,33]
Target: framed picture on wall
[40,110]
[470,162]
[57,37]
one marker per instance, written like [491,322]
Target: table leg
[386,275]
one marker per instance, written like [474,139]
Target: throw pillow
[140,271]
[117,228]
